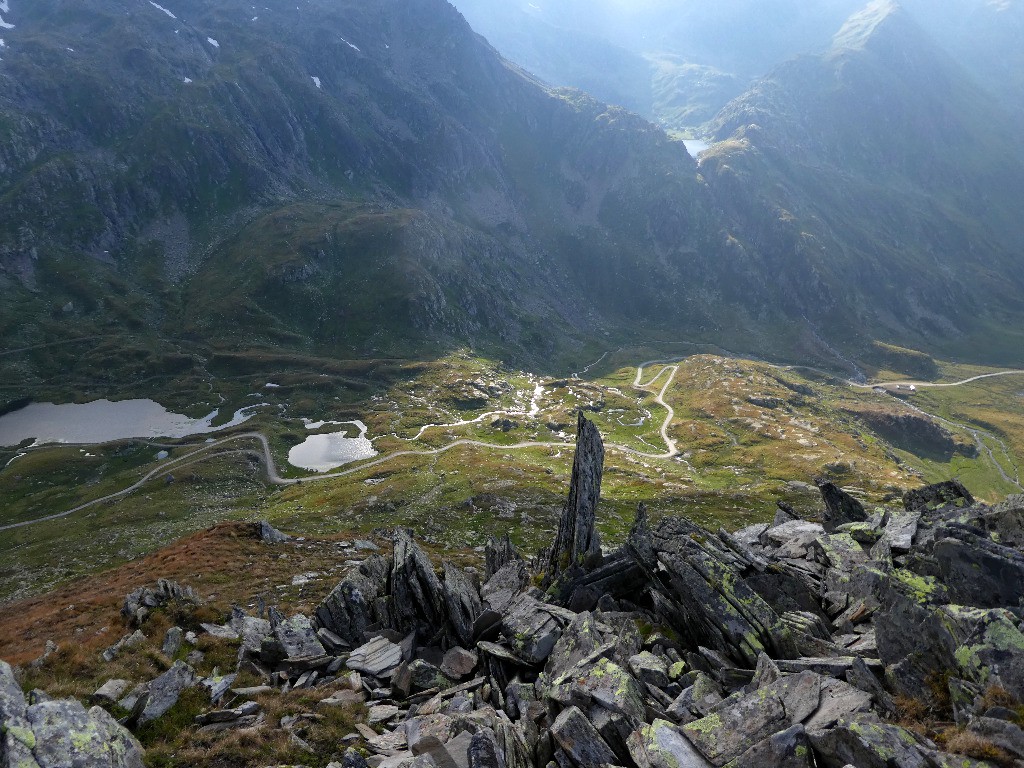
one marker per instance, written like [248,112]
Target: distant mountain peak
[877,17]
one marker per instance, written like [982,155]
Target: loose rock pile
[789,644]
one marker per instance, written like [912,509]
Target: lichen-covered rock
[608,685]
[661,745]
[931,498]
[579,641]
[729,732]
[351,606]
[532,628]
[60,734]
[787,749]
[648,668]
[697,700]
[866,742]
[298,638]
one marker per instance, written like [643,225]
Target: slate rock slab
[662,745]
[378,658]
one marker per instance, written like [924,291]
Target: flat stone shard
[379,657]
[462,601]
[577,543]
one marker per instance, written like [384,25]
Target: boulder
[697,700]
[580,640]
[932,498]
[532,628]
[504,586]
[298,638]
[172,642]
[458,663]
[581,741]
[268,534]
[787,749]
[57,734]
[866,742]
[111,691]
[648,668]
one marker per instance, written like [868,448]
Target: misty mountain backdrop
[374,178]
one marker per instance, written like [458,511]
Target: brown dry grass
[963,742]
[226,564]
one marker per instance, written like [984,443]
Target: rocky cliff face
[221,162]
[792,644]
[888,159]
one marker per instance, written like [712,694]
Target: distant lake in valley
[695,146]
[102,421]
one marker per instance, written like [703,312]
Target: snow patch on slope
[213,42]
[161,8]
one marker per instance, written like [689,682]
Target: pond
[102,421]
[324,452]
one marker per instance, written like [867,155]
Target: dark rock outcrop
[577,543]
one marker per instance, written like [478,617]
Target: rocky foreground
[795,644]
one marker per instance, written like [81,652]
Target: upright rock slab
[840,507]
[577,542]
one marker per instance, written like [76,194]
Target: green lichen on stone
[706,725]
[922,588]
[23,735]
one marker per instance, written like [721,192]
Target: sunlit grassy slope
[747,434]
